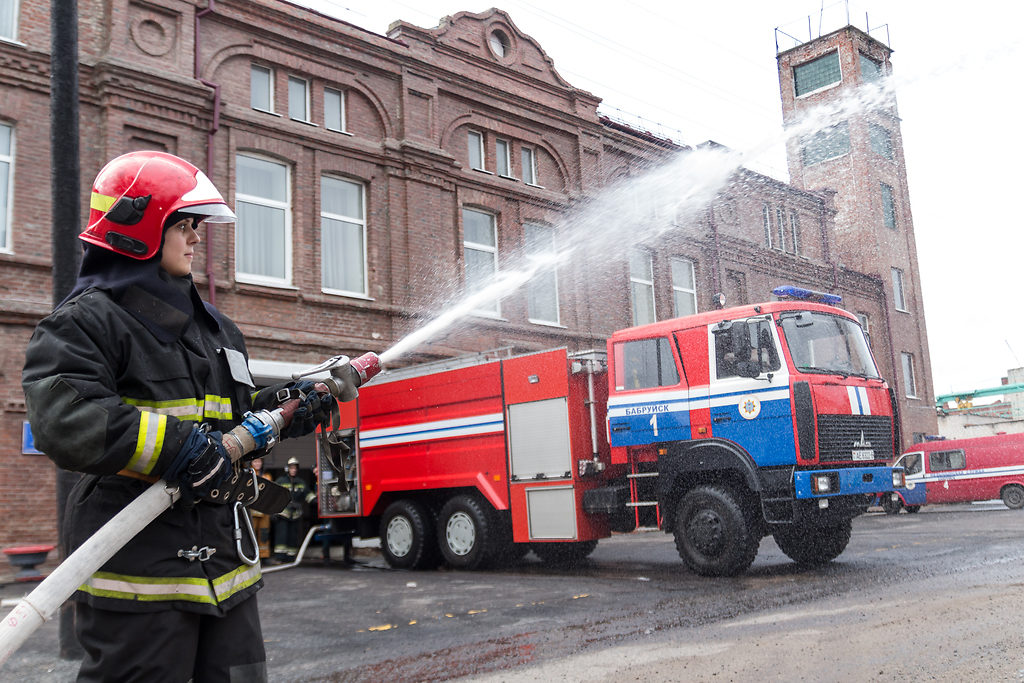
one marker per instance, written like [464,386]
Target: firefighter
[134,378]
[289,522]
[261,520]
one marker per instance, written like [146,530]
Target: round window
[499,43]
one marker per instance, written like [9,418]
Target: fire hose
[257,430]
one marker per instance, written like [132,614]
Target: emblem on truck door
[750,407]
[862,449]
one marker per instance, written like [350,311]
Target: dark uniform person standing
[288,525]
[134,378]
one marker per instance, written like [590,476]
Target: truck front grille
[852,438]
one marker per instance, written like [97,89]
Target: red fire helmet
[135,193]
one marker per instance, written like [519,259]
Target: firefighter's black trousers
[171,645]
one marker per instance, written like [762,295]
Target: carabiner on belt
[252,535]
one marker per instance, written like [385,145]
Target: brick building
[377,178]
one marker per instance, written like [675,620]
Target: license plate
[863,454]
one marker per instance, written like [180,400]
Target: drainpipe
[211,282]
[65,198]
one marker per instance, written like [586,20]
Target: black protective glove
[202,466]
[314,408]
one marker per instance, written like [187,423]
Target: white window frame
[356,220]
[909,375]
[468,245]
[529,169]
[503,169]
[7,212]
[475,142]
[240,197]
[636,281]
[270,87]
[343,119]
[11,7]
[678,290]
[899,290]
[305,99]
[553,271]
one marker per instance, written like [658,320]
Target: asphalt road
[929,596]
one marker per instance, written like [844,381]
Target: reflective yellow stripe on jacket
[195,409]
[152,428]
[153,423]
[217,407]
[160,589]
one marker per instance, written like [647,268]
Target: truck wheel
[1013,496]
[464,532]
[564,554]
[891,507]
[814,545]
[406,537]
[712,534]
[912,509]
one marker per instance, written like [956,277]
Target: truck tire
[1013,496]
[713,535]
[813,546]
[465,532]
[564,554]
[913,509]
[891,507]
[406,536]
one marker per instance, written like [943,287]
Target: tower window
[881,140]
[888,207]
[870,70]
[817,74]
[898,294]
[826,144]
[909,378]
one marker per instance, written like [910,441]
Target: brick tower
[858,154]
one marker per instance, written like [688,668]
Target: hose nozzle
[346,375]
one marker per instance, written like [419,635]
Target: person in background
[260,520]
[133,379]
[289,523]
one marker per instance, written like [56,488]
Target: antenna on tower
[1012,352]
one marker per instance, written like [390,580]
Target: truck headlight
[897,479]
[821,483]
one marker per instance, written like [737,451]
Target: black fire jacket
[114,398]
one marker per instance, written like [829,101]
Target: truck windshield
[828,344]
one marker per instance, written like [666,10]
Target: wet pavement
[366,622]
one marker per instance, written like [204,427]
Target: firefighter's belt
[244,486]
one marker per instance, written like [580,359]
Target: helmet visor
[212,213]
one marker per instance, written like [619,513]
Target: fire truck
[719,428]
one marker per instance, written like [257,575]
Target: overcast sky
[706,70]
